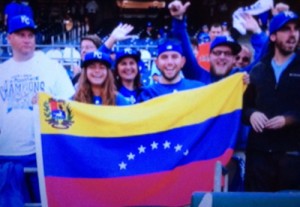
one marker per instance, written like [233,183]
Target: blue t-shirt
[278,69]
[162,89]
[130,95]
[120,100]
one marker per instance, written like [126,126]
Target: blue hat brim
[294,19]
[88,62]
[235,47]
[136,57]
[23,28]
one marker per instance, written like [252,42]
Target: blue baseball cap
[169,45]
[203,37]
[227,41]
[96,56]
[20,22]
[128,52]
[279,20]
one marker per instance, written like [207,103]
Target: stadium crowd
[115,70]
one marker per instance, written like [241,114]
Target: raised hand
[250,23]
[118,34]
[177,9]
[121,32]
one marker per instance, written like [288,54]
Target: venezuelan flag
[156,153]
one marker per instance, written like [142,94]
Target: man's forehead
[292,23]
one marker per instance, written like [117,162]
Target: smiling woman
[96,82]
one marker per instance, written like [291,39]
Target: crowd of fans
[109,74]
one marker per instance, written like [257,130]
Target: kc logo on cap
[169,45]
[19,23]
[25,20]
[96,56]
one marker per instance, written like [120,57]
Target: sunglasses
[244,59]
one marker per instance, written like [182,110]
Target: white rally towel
[258,7]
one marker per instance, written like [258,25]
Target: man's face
[243,59]
[86,46]
[22,42]
[170,64]
[221,60]
[286,39]
[214,32]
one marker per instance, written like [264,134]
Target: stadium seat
[55,54]
[71,55]
[146,58]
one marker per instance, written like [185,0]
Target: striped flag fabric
[156,153]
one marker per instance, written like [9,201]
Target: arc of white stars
[142,149]
[167,144]
[122,166]
[178,148]
[154,145]
[131,156]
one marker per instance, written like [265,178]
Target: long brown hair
[85,94]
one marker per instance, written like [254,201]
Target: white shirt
[19,83]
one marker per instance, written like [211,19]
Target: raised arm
[259,39]
[118,34]
[191,69]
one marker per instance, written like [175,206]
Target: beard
[170,78]
[284,49]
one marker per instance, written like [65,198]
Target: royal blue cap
[169,45]
[96,56]
[203,37]
[128,52]
[20,22]
[227,41]
[279,20]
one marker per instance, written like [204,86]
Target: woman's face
[127,69]
[96,73]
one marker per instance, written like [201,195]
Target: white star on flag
[154,145]
[142,149]
[130,156]
[122,166]
[178,148]
[167,144]
[186,152]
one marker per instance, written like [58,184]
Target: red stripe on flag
[171,188]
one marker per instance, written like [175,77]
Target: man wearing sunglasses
[244,58]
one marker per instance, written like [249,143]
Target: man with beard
[221,64]
[272,108]
[170,62]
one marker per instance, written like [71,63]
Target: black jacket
[264,95]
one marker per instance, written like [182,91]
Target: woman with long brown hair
[96,82]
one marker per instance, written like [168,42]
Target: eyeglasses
[244,59]
[219,53]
